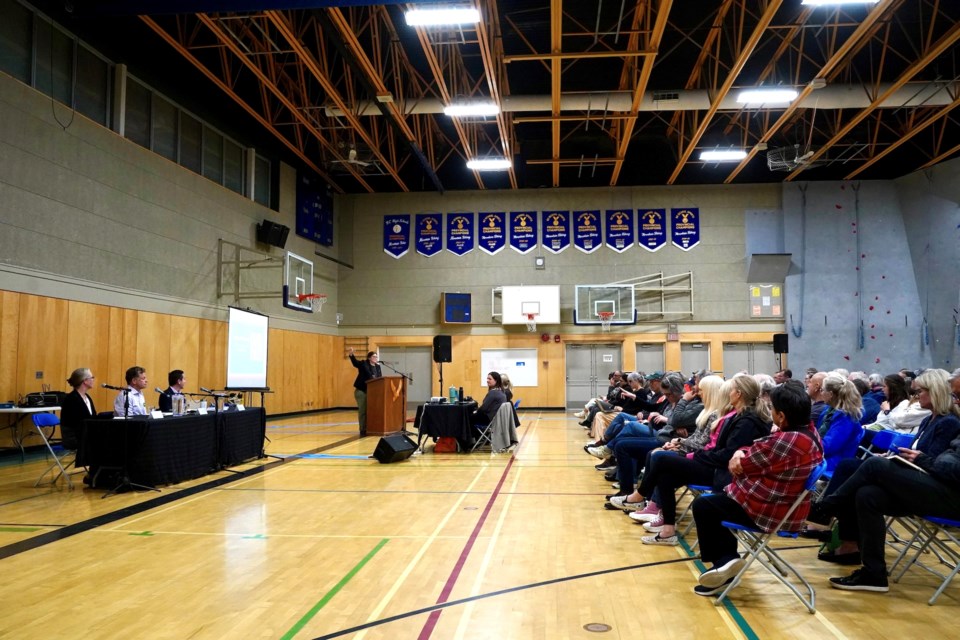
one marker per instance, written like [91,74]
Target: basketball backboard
[297,281]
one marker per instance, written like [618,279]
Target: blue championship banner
[427,233]
[619,229]
[685,228]
[492,236]
[523,230]
[460,233]
[653,228]
[396,235]
[586,230]
[555,231]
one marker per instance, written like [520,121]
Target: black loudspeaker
[442,349]
[273,233]
[394,448]
[780,343]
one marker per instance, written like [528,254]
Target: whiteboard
[519,364]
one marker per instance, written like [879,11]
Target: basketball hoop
[316,300]
[531,322]
[606,317]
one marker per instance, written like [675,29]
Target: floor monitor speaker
[394,448]
[780,343]
[442,349]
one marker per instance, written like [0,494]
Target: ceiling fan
[352,159]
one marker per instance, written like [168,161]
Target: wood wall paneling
[184,353]
[9,339]
[42,343]
[88,337]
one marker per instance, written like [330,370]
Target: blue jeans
[617,425]
[635,429]
[628,451]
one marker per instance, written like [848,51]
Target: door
[416,362]
[693,357]
[650,357]
[750,357]
[588,366]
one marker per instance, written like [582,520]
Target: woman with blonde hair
[839,424]
[714,405]
[77,407]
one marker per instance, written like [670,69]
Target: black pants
[668,473]
[883,487]
[717,544]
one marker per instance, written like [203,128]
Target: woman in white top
[898,412]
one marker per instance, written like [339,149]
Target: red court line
[431,622]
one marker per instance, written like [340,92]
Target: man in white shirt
[132,397]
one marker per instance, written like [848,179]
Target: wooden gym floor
[325,543]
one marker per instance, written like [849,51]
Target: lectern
[386,405]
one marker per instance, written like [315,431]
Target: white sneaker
[721,575]
[644,517]
[580,414]
[603,452]
[654,526]
[620,502]
[669,541]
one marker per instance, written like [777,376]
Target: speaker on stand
[442,352]
[781,346]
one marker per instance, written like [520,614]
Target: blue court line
[315,456]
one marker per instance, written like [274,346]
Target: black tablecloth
[446,420]
[173,449]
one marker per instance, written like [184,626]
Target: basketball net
[531,322]
[606,317]
[316,300]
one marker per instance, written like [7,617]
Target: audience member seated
[613,380]
[871,408]
[666,472]
[899,411]
[814,390]
[632,400]
[884,487]
[491,402]
[839,424]
[768,476]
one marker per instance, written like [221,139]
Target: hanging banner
[685,228]
[427,232]
[619,229]
[653,228]
[586,230]
[492,237]
[460,233]
[396,235]
[523,230]
[555,230]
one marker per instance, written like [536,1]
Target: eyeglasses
[915,391]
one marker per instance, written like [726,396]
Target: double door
[588,366]
[414,361]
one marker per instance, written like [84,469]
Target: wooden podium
[386,405]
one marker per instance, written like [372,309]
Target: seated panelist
[130,402]
[176,379]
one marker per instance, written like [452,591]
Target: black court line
[492,594]
[80,527]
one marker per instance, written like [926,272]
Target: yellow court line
[318,536]
[829,625]
[375,614]
[487,558]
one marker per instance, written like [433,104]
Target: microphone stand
[125,482]
[402,374]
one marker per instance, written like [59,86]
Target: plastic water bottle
[453,394]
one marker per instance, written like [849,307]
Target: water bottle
[453,394]
[460,395]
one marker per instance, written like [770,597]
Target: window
[232,166]
[261,181]
[93,85]
[137,126]
[54,63]
[164,128]
[191,140]
[212,155]
[15,40]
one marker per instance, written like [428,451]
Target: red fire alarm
[556,338]
[545,337]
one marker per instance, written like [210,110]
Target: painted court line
[330,594]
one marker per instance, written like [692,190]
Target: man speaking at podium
[366,370]
[176,379]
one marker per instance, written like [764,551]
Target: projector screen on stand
[247,336]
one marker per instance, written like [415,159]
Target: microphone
[205,390]
[213,393]
[110,386]
[158,390]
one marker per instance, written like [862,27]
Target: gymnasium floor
[325,543]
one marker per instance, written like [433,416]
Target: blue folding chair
[63,459]
[757,544]
[904,440]
[881,443]
[928,535]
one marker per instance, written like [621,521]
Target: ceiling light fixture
[826,3]
[465,109]
[489,164]
[723,155]
[441,17]
[767,96]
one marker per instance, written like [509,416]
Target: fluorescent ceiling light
[471,109]
[723,155]
[826,3]
[767,96]
[489,164]
[437,17]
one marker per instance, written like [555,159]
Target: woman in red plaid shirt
[767,477]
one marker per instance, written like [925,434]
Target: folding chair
[62,460]
[880,444]
[928,534]
[499,431]
[757,544]
[695,491]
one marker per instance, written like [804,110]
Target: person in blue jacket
[839,424]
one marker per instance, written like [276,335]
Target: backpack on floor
[446,445]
